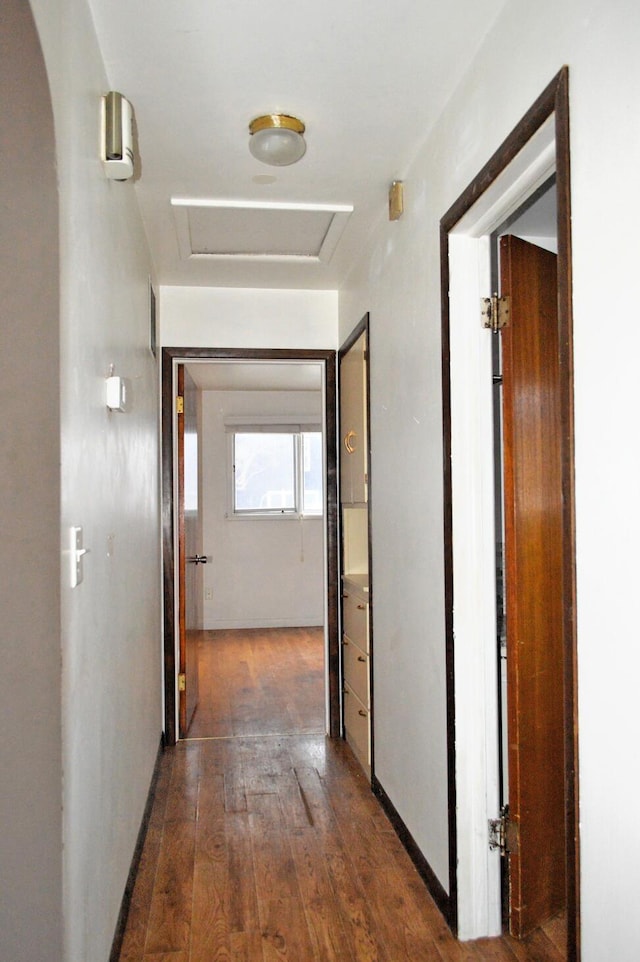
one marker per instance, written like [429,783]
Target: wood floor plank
[135,935]
[285,932]
[171,904]
[535,948]
[272,859]
[243,901]
[246,946]
[182,799]
[167,957]
[324,919]
[358,921]
[556,931]
[210,927]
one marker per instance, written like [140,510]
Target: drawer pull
[361,607]
[361,712]
[361,658]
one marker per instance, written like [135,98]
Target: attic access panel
[258,231]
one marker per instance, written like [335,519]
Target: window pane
[312,494]
[264,472]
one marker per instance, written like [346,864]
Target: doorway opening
[229,589]
[535,151]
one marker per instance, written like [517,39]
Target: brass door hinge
[179,405]
[504,834]
[494,312]
[182,682]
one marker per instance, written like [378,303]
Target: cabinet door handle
[361,607]
[349,441]
[345,596]
[345,641]
[361,658]
[361,712]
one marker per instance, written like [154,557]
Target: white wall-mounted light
[117,136]
[277,139]
[115,392]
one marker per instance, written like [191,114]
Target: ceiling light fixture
[276,139]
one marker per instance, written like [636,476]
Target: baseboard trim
[121,924]
[428,876]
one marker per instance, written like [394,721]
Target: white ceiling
[367,77]
[256,375]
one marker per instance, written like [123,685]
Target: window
[277,471]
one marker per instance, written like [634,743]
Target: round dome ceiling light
[276,139]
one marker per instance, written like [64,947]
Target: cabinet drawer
[355,613]
[356,727]
[356,670]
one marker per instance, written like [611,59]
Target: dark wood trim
[428,876]
[168,550]
[333,544]
[452,802]
[328,358]
[554,100]
[363,327]
[565,323]
[125,905]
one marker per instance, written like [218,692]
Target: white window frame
[236,426]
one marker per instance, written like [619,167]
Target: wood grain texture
[260,681]
[533,520]
[266,848]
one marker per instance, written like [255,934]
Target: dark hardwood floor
[265,842]
[260,681]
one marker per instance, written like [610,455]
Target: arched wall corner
[31,913]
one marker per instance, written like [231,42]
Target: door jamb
[553,107]
[171,355]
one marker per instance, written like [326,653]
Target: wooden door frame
[552,106]
[362,327]
[170,357]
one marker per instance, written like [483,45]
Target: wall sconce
[117,136]
[396,200]
[277,139]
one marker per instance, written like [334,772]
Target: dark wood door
[534,588]
[189,548]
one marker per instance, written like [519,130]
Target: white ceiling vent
[214,229]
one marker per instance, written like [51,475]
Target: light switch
[76,554]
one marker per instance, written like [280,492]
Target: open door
[533,521]
[190,557]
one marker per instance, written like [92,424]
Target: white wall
[229,317]
[398,281]
[110,624]
[265,572]
[30,747]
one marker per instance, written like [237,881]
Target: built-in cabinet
[354,508]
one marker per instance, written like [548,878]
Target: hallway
[271,846]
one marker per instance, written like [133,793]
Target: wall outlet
[208,594]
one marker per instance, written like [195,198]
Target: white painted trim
[473,534]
